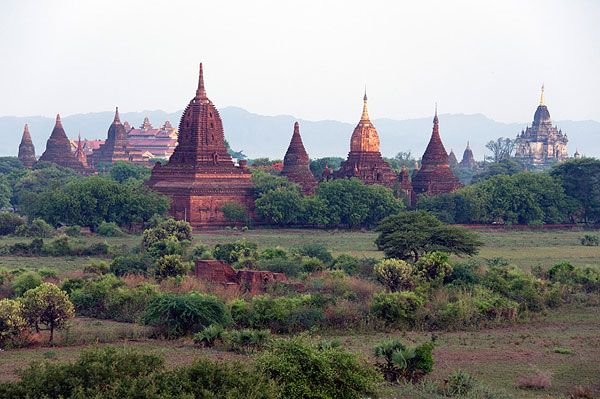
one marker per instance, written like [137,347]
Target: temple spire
[542,96]
[201,92]
[435,119]
[117,117]
[365,111]
[58,121]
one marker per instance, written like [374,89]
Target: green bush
[311,265]
[402,363]
[590,241]
[272,253]
[318,251]
[12,322]
[71,231]
[395,274]
[171,266]
[235,212]
[109,229]
[248,340]
[303,371]
[90,299]
[175,315]
[130,264]
[34,248]
[96,267]
[25,282]
[129,304]
[347,263]
[235,251]
[291,267]
[460,383]
[46,272]
[434,267]
[37,228]
[9,222]
[396,308]
[209,336]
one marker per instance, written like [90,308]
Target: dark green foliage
[9,222]
[71,231]
[291,267]
[590,240]
[109,229]
[34,248]
[167,237]
[235,251]
[37,228]
[580,179]
[265,182]
[209,336]
[235,212]
[130,264]
[397,308]
[272,253]
[25,282]
[409,235]
[248,340]
[507,167]
[402,363]
[171,266]
[91,298]
[175,315]
[303,371]
[316,250]
[317,166]
[121,171]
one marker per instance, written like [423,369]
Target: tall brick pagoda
[116,147]
[58,149]
[435,176]
[200,176]
[26,149]
[364,159]
[296,164]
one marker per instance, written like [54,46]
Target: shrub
[590,240]
[235,212]
[71,231]
[109,229]
[12,323]
[37,228]
[235,251]
[34,248]
[178,230]
[434,267]
[396,308]
[129,304]
[209,336]
[175,315]
[460,383]
[90,299]
[272,253]
[9,222]
[96,267]
[171,266]
[403,363]
[25,282]
[291,267]
[318,251]
[347,263]
[464,274]
[130,264]
[395,274]
[248,340]
[311,265]
[303,371]
[46,272]
[48,306]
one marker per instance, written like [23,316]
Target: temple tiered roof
[116,146]
[27,149]
[58,149]
[296,163]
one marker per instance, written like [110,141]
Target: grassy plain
[496,356]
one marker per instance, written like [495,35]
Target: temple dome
[542,116]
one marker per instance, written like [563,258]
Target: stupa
[58,149]
[296,164]
[435,176]
[468,160]
[200,176]
[80,153]
[452,161]
[115,148]
[26,149]
[364,159]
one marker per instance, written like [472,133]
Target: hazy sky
[305,58]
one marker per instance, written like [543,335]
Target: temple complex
[149,142]
[58,149]
[542,144]
[200,176]
[364,159]
[435,176]
[26,149]
[296,164]
[468,160]
[116,147]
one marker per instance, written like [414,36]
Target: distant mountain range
[269,136]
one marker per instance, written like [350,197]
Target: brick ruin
[250,281]
[116,146]
[200,176]
[27,149]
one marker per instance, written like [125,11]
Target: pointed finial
[58,121]
[365,111]
[365,96]
[296,127]
[26,130]
[468,146]
[436,108]
[117,117]
[435,117]
[201,92]
[542,96]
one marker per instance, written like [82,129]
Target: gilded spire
[365,111]
[201,92]
[117,117]
[542,96]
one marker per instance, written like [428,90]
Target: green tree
[235,212]
[47,306]
[26,281]
[171,266]
[265,182]
[317,166]
[122,171]
[395,274]
[580,179]
[12,322]
[9,221]
[502,148]
[507,167]
[281,206]
[409,235]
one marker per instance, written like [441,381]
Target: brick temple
[468,160]
[58,149]
[435,176]
[364,159]
[116,147]
[200,176]
[27,149]
[296,164]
